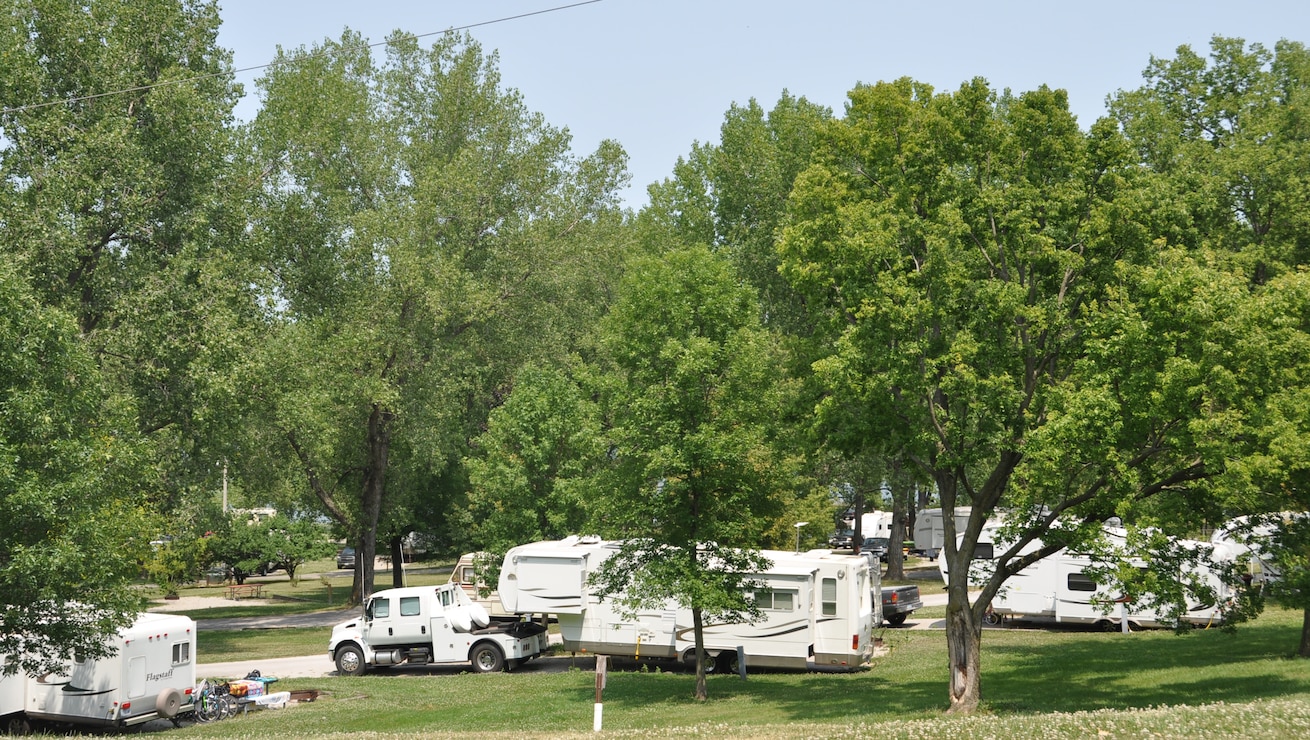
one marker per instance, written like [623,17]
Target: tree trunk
[896,542]
[375,472]
[702,690]
[398,561]
[1304,651]
[963,643]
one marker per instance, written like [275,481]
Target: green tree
[1008,324]
[425,235]
[245,544]
[1228,140]
[115,169]
[72,533]
[1230,136]
[531,476]
[688,401]
[294,541]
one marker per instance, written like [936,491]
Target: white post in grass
[601,664]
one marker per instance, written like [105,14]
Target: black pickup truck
[898,602]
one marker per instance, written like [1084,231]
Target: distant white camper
[818,607]
[478,591]
[1058,587]
[930,531]
[151,676]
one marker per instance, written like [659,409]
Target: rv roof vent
[589,539]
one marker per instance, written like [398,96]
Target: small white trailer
[818,607]
[479,592]
[425,624]
[151,676]
[1059,587]
[930,529]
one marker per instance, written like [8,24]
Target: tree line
[399,300]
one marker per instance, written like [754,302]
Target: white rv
[818,607]
[151,676]
[1058,587]
[930,531]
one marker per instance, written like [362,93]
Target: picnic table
[245,590]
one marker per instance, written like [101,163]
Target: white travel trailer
[151,676]
[479,592]
[930,532]
[818,606]
[1058,587]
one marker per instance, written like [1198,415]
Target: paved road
[313,619]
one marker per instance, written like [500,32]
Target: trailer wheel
[689,659]
[350,661]
[727,662]
[991,618]
[168,703]
[18,725]
[896,620]
[487,658]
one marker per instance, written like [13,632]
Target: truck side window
[830,597]
[381,608]
[409,606]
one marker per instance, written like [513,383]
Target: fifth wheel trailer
[1059,587]
[151,676]
[818,607]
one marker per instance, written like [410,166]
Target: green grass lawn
[307,594]
[1056,683]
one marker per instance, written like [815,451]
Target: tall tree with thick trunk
[425,235]
[1007,322]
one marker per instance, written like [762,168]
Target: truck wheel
[487,658]
[350,661]
[896,620]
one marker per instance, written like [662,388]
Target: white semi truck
[429,625]
[151,675]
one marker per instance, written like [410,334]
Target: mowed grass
[309,593]
[1035,684]
[222,646]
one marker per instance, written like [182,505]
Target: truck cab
[426,624]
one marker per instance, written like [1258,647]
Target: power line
[126,90]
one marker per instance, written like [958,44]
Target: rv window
[466,575]
[1080,582]
[181,653]
[381,608]
[409,606]
[983,551]
[782,601]
[830,597]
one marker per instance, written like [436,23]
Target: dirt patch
[189,603]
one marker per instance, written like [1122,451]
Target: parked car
[876,546]
[841,539]
[346,558]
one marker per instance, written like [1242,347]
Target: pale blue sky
[657,75]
